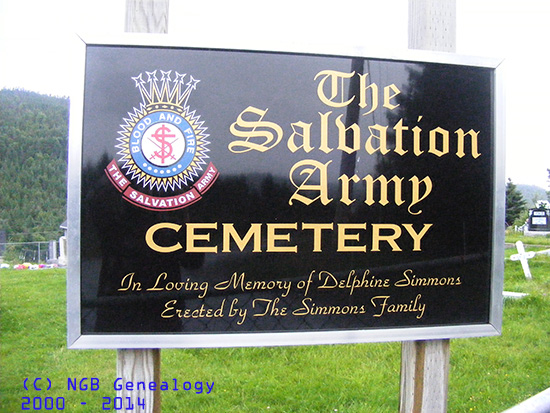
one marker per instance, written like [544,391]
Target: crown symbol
[167,93]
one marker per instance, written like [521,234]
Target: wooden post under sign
[425,364]
[424,376]
[135,366]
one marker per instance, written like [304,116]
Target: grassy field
[512,237]
[487,374]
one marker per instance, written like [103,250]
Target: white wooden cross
[522,256]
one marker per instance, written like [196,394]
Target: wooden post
[139,365]
[432,25]
[144,16]
[425,364]
[424,376]
[147,16]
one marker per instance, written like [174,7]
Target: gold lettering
[381,137]
[390,238]
[346,190]
[149,237]
[387,97]
[128,279]
[229,233]
[336,87]
[271,307]
[309,307]
[324,133]
[235,280]
[416,198]
[399,128]
[411,280]
[416,139]
[305,134]
[444,142]
[342,141]
[168,307]
[304,310]
[310,169]
[417,237]
[363,87]
[192,237]
[473,140]
[317,228]
[237,312]
[414,306]
[273,237]
[155,287]
[369,195]
[343,236]
[268,136]
[278,238]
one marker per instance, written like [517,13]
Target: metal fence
[36,252]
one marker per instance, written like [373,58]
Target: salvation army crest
[162,146]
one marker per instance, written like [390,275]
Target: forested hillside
[532,194]
[33,165]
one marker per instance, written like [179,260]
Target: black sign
[228,192]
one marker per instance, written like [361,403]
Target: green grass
[487,374]
[512,237]
[493,373]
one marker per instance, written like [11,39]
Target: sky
[39,46]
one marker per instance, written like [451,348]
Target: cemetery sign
[230,197]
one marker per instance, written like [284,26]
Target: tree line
[33,165]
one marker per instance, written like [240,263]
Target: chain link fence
[35,252]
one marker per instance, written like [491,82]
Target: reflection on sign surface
[232,192]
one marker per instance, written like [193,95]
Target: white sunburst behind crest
[163,144]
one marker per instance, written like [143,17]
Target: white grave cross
[522,256]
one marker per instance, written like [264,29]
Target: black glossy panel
[427,105]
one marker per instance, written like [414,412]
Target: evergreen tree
[33,165]
[515,204]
